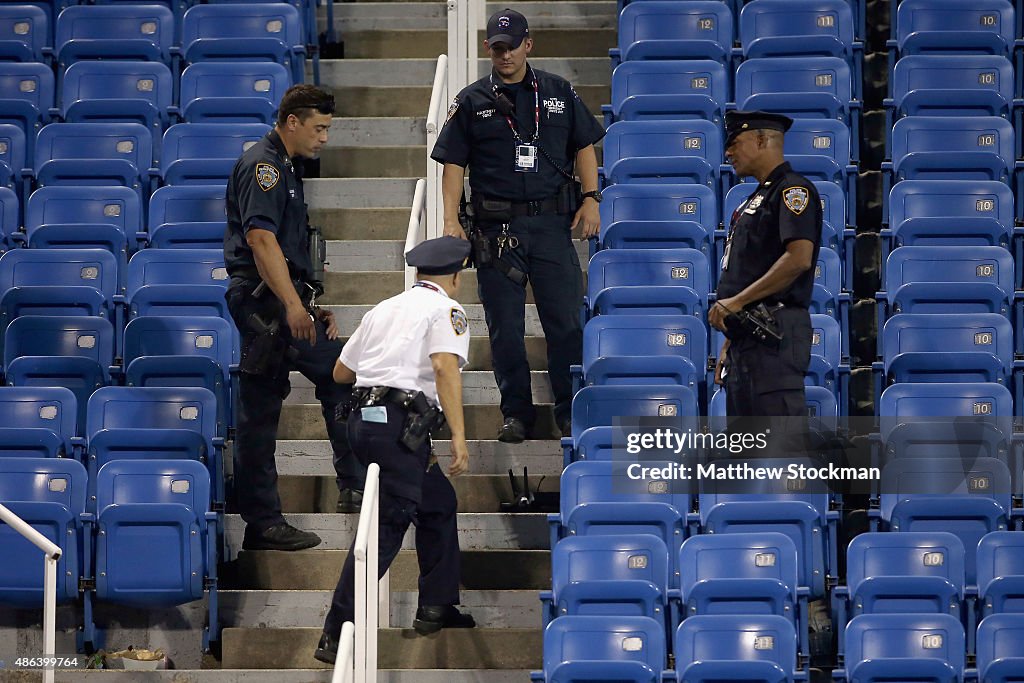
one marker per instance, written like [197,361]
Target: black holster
[757,322]
[267,350]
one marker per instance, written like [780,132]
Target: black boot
[350,500]
[281,536]
[513,431]
[433,618]
[326,649]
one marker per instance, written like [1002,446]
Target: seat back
[574,640]
[752,558]
[787,75]
[778,28]
[707,26]
[660,203]
[826,351]
[117,206]
[597,406]
[191,408]
[26,31]
[963,264]
[828,284]
[702,77]
[13,150]
[176,267]
[60,336]
[999,639]
[181,336]
[103,80]
[604,482]
[120,31]
[1000,559]
[942,399]
[32,85]
[204,153]
[645,335]
[975,333]
[723,637]
[950,199]
[9,215]
[625,267]
[990,78]
[52,408]
[881,554]
[275,20]
[187,204]
[94,268]
[245,82]
[953,148]
[127,482]
[702,139]
[917,478]
[820,137]
[961,26]
[899,636]
[129,142]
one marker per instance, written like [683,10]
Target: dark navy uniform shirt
[265,191]
[785,207]
[478,136]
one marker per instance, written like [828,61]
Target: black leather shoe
[326,649]
[281,536]
[433,618]
[350,500]
[513,431]
[565,427]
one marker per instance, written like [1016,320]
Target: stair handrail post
[456,44]
[344,663]
[417,222]
[367,597]
[475,21]
[436,109]
[51,554]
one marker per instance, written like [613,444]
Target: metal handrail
[52,554]
[368,594]
[417,222]
[345,661]
[436,109]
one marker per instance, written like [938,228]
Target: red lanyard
[427,285]
[536,112]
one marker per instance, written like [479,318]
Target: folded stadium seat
[669,89]
[127,92]
[123,31]
[645,281]
[969,27]
[181,351]
[600,499]
[13,172]
[251,32]
[801,87]
[736,647]
[742,574]
[1001,574]
[829,368]
[658,216]
[999,657]
[177,8]
[186,282]
[946,211]
[671,152]
[28,99]
[9,218]
[157,540]
[593,648]
[674,31]
[612,576]
[596,444]
[30,442]
[188,217]
[645,349]
[781,28]
[26,33]
[50,408]
[820,150]
[48,494]
[75,352]
[308,12]
[95,154]
[828,297]
[911,572]
[205,153]
[899,647]
[232,92]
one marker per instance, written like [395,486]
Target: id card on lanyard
[526,159]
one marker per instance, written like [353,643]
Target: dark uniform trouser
[547,253]
[410,494]
[259,411]
[763,382]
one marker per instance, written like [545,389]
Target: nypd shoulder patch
[795,199]
[459,322]
[267,176]
[454,107]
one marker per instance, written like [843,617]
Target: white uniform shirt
[395,339]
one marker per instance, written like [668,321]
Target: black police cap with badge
[439,256]
[507,26]
[737,122]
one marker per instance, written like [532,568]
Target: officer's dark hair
[302,100]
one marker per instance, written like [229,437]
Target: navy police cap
[507,26]
[737,122]
[439,256]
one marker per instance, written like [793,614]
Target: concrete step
[480,648]
[313,458]
[429,43]
[360,193]
[362,223]
[485,570]
[267,676]
[307,609]
[349,316]
[482,422]
[363,131]
[477,493]
[478,386]
[477,530]
[386,16]
[412,71]
[356,256]
[374,162]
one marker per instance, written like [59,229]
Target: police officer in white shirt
[405,360]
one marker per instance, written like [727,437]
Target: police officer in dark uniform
[405,360]
[769,258]
[522,133]
[271,296]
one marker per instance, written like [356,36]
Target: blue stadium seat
[9,218]
[669,89]
[205,153]
[95,154]
[961,399]
[596,444]
[820,149]
[120,31]
[999,657]
[187,217]
[187,282]
[13,151]
[968,27]
[733,647]
[828,285]
[828,366]
[896,647]
[608,576]
[232,92]
[592,648]
[821,404]
[48,494]
[31,442]
[951,148]
[50,408]
[1000,574]
[26,33]
[28,99]
[245,33]
[674,31]
[658,216]
[670,152]
[648,281]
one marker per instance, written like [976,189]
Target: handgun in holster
[419,424]
[757,322]
[484,248]
[267,350]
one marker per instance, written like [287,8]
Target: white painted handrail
[439,97]
[52,554]
[368,594]
[417,222]
[344,663]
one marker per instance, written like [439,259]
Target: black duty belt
[538,207]
[415,401]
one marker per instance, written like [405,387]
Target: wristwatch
[595,195]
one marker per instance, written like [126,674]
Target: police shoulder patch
[795,199]
[459,322]
[267,176]
[452,109]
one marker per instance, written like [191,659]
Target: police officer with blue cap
[772,246]
[523,133]
[405,360]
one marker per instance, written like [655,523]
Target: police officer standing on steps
[405,360]
[522,132]
[271,297]
[769,258]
